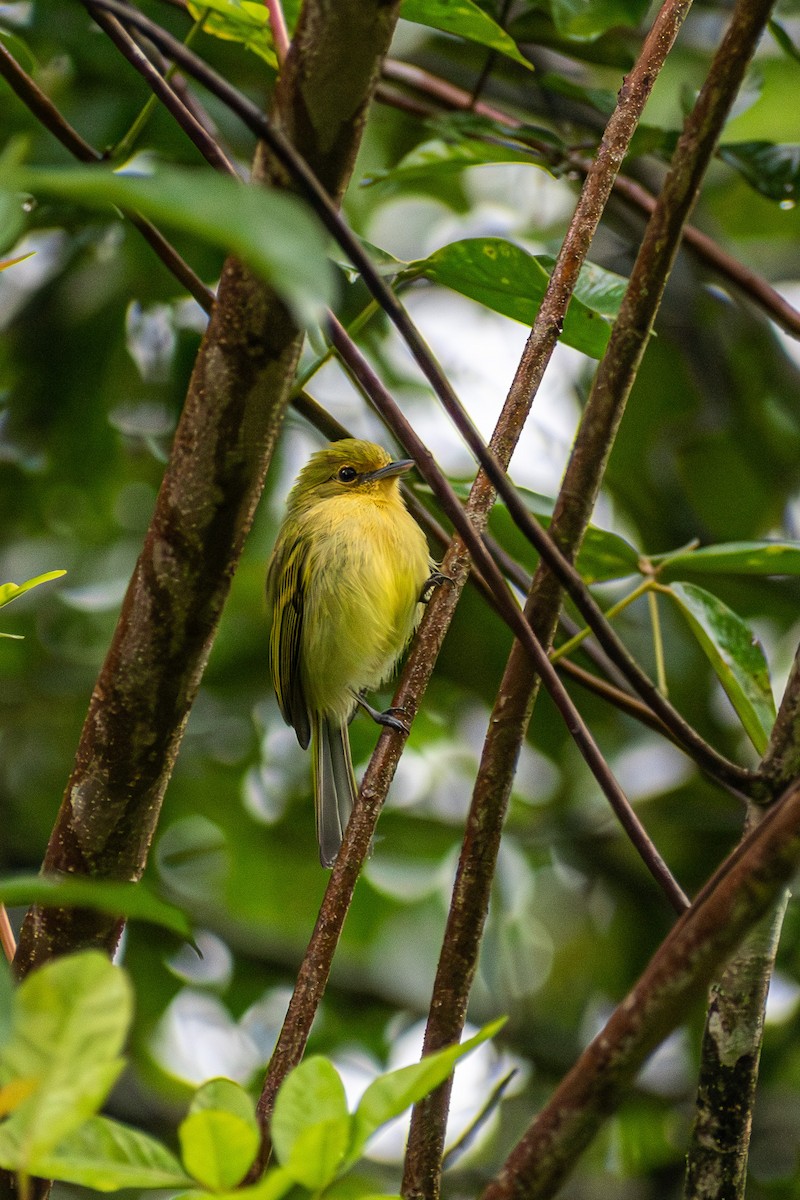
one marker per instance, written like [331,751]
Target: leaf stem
[567,647]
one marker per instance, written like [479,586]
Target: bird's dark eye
[346,474]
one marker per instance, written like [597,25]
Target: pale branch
[716,1164]
[741,892]
[752,285]
[548,322]
[222,448]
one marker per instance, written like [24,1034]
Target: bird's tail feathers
[334,784]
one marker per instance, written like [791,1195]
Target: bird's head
[349,467]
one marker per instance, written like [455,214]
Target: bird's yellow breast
[367,564]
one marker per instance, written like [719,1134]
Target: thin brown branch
[739,276]
[744,888]
[7,939]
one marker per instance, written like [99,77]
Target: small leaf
[106,1156]
[243,21]
[131,900]
[466,20]
[318,1153]
[273,232]
[772,169]
[439,156]
[507,279]
[218,1147]
[590,18]
[784,40]
[735,655]
[731,558]
[391,1094]
[10,591]
[223,1095]
[311,1093]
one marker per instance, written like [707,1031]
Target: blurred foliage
[98,341]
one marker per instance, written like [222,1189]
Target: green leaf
[243,21]
[218,1147]
[509,280]
[735,655]
[784,40]
[106,1156]
[773,170]
[438,156]
[274,233]
[131,900]
[732,558]
[70,1020]
[466,20]
[223,1095]
[393,1093]
[588,19]
[272,1186]
[313,1092]
[610,50]
[318,1152]
[603,555]
[10,591]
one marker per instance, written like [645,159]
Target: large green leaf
[732,558]
[107,1156]
[603,555]
[736,656]
[466,20]
[773,170]
[10,591]
[132,900]
[69,1023]
[590,18]
[273,232]
[509,280]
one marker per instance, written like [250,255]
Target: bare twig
[280,34]
[7,939]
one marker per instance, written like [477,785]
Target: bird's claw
[434,580]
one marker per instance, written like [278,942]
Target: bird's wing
[286,585]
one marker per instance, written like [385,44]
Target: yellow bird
[345,583]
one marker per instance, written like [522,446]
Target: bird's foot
[434,580]
[387,718]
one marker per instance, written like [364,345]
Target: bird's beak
[399,467]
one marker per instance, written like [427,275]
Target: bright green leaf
[273,232]
[773,170]
[132,900]
[391,1094]
[272,1186]
[10,591]
[218,1147]
[736,656]
[106,1156]
[243,21]
[509,280]
[318,1152]
[439,156]
[70,1019]
[732,558]
[603,555]
[589,19]
[223,1095]
[466,20]
[311,1093]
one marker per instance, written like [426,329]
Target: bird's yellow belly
[360,612]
